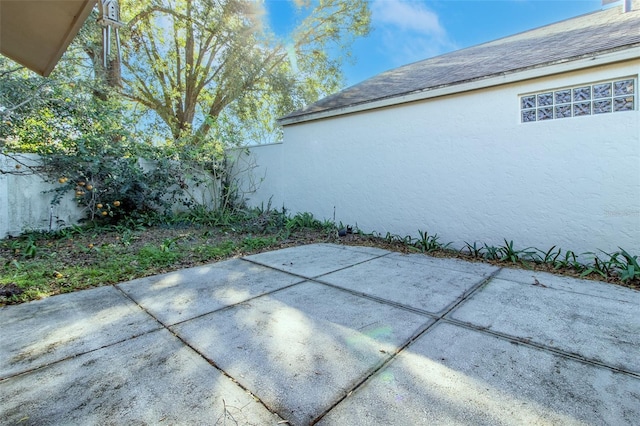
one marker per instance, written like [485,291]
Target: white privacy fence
[25,203]
[26,199]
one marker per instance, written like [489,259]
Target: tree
[83,136]
[191,60]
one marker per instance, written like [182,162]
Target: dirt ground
[78,250]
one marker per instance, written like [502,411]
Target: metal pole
[105,46]
[118,44]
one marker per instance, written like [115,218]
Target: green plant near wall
[621,263]
[252,243]
[303,220]
[491,252]
[212,252]
[390,238]
[429,243]
[473,250]
[113,185]
[570,260]
[86,148]
[150,255]
[510,254]
[598,265]
[549,257]
[25,247]
[628,266]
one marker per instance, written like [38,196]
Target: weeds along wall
[464,166]
[26,200]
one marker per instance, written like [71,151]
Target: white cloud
[409,30]
[412,16]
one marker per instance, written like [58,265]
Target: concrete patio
[327,334]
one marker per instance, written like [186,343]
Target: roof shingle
[594,33]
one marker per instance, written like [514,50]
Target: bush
[86,147]
[112,188]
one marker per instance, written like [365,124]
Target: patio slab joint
[529,343]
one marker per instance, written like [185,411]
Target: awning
[35,33]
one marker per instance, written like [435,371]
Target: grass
[37,265]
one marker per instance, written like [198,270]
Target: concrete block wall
[25,204]
[464,166]
[200,188]
[259,172]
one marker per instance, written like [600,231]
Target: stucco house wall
[464,166]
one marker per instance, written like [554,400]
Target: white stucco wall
[260,173]
[464,166]
[25,204]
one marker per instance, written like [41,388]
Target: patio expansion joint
[566,290]
[233,305]
[31,370]
[445,318]
[273,268]
[58,361]
[434,315]
[469,293]
[421,331]
[375,369]
[539,346]
[377,299]
[142,308]
[207,360]
[375,257]
[314,277]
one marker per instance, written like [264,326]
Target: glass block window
[587,99]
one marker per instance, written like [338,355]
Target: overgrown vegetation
[618,267]
[39,264]
[133,147]
[86,146]
[132,136]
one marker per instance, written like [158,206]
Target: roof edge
[72,32]
[588,61]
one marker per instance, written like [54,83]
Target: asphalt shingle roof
[595,33]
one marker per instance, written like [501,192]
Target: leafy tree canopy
[211,66]
[201,71]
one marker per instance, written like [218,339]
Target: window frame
[579,100]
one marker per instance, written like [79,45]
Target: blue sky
[405,31]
